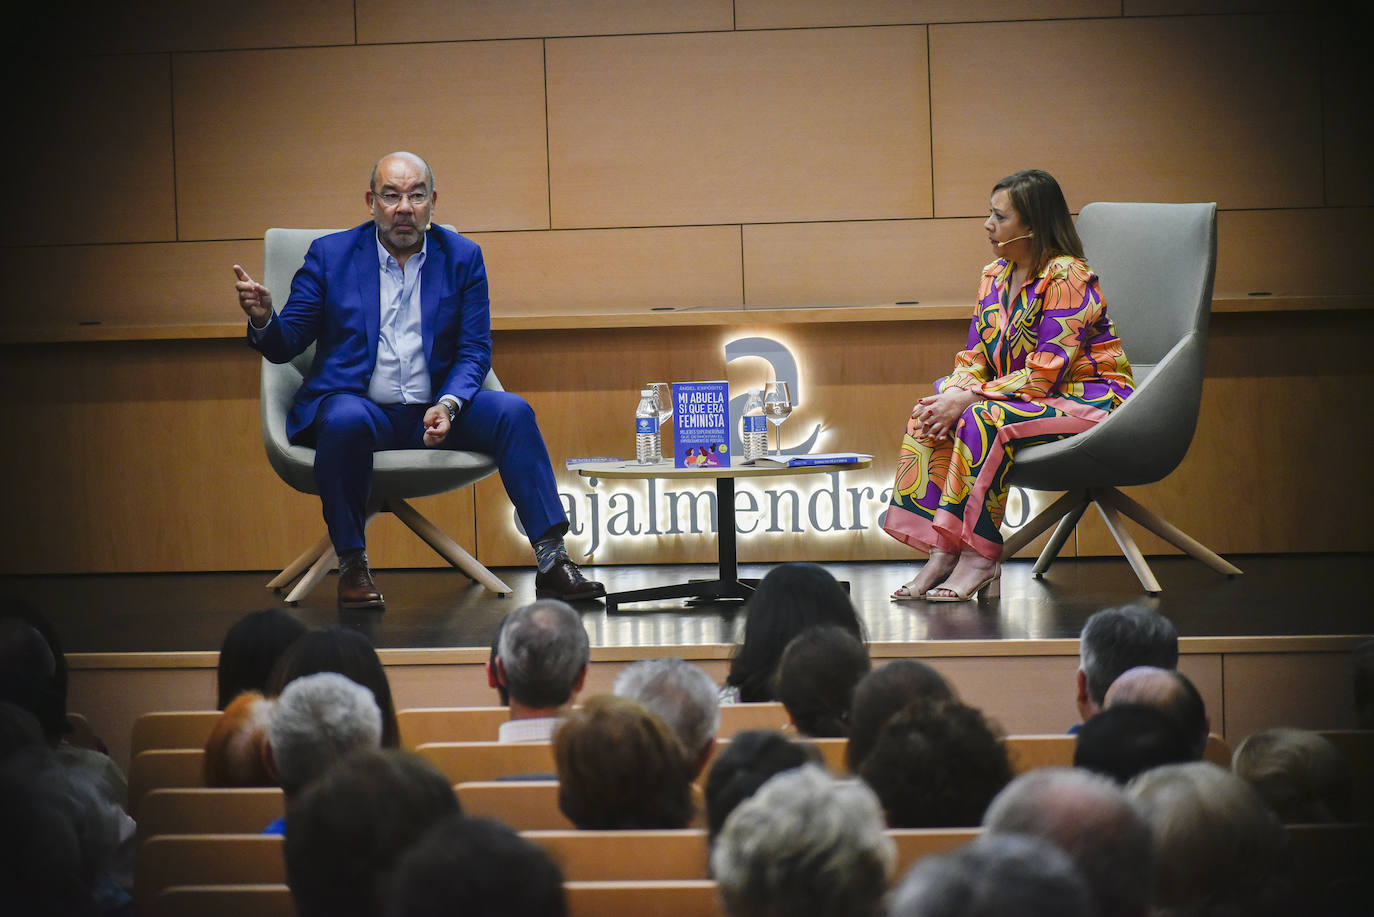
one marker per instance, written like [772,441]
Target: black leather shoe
[356,589]
[565,581]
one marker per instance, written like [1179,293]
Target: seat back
[464,762]
[643,854]
[425,725]
[198,810]
[525,805]
[914,843]
[645,898]
[221,901]
[172,729]
[164,767]
[737,718]
[208,859]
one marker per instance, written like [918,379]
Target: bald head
[1164,689]
[391,160]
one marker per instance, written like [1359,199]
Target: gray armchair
[398,475]
[1156,262]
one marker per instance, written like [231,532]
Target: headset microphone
[1016,239]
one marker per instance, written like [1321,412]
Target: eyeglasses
[392,199]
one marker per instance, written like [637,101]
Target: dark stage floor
[1278,595]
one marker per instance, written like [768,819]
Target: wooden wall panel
[1253,480]
[1296,252]
[140,26]
[612,270]
[1186,7]
[159,283]
[286,138]
[879,261]
[1193,108]
[442,20]
[1347,86]
[792,14]
[92,160]
[742,127]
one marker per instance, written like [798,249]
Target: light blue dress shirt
[400,375]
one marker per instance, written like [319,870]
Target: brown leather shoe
[565,581]
[356,589]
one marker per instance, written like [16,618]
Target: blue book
[701,424]
[814,458]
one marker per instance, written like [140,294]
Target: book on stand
[813,458]
[701,421]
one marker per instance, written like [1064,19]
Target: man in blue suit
[398,310]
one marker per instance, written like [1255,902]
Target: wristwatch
[451,403]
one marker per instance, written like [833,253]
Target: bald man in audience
[1091,819]
[1117,639]
[541,662]
[1168,690]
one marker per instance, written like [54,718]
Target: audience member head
[1301,775]
[1117,639]
[28,676]
[1168,690]
[251,648]
[620,767]
[61,836]
[476,867]
[682,696]
[883,693]
[804,845]
[998,875]
[342,650]
[346,830]
[789,599]
[816,679]
[543,655]
[1129,739]
[318,720]
[19,729]
[14,607]
[749,760]
[492,681]
[235,752]
[1362,661]
[1091,819]
[1218,848]
[937,764]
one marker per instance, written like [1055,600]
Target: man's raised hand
[254,299]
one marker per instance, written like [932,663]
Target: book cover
[701,434]
[814,458]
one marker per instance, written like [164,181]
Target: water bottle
[754,426]
[647,448]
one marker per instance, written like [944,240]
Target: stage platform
[1267,648]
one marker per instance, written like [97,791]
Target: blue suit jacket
[335,302]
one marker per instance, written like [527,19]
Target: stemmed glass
[663,403]
[777,407]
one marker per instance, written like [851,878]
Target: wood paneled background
[615,157]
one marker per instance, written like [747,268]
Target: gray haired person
[317,720]
[1117,639]
[805,845]
[681,695]
[1090,818]
[998,875]
[541,661]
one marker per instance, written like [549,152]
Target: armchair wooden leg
[445,546]
[1043,520]
[1168,531]
[1128,546]
[322,565]
[1056,542]
[296,566]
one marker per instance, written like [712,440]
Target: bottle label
[755,423]
[647,425]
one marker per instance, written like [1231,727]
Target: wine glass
[663,403]
[777,407]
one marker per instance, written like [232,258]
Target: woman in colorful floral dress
[1042,362]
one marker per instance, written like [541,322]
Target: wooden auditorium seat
[207,859]
[172,729]
[653,898]
[607,855]
[425,725]
[197,810]
[268,900]
[736,718]
[464,762]
[525,805]
[1218,751]
[161,768]
[914,843]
